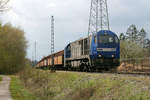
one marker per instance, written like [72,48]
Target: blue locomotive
[99,51]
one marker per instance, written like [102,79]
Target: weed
[18,91]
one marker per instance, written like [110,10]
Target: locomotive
[98,51]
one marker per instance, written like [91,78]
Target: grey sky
[71,20]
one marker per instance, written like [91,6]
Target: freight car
[98,51]
[56,59]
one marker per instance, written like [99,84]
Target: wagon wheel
[81,67]
[84,69]
[88,68]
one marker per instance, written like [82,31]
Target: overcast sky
[71,20]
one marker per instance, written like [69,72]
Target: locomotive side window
[94,39]
[69,48]
[116,40]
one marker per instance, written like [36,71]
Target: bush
[129,49]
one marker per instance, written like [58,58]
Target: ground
[60,85]
[18,91]
[11,88]
[4,88]
[87,86]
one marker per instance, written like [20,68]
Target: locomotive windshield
[108,39]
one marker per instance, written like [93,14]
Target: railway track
[110,72]
[134,73]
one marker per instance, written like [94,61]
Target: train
[95,52]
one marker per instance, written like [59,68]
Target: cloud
[71,19]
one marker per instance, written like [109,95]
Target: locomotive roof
[106,32]
[100,32]
[80,39]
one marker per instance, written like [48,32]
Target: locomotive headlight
[100,55]
[113,56]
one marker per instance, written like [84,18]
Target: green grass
[18,92]
[0,78]
[86,86]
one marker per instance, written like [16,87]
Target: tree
[142,34]
[142,38]
[3,5]
[132,33]
[134,43]
[122,36]
[147,47]
[12,49]
[147,43]
[130,49]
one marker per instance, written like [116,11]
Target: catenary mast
[99,19]
[52,34]
[52,39]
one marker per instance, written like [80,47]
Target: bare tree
[4,5]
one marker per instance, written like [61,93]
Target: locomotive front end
[106,49]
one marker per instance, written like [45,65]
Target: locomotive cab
[105,49]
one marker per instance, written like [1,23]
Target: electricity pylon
[99,19]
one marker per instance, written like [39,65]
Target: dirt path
[4,89]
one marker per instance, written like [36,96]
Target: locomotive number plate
[106,49]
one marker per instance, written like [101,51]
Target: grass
[84,86]
[18,91]
[0,78]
